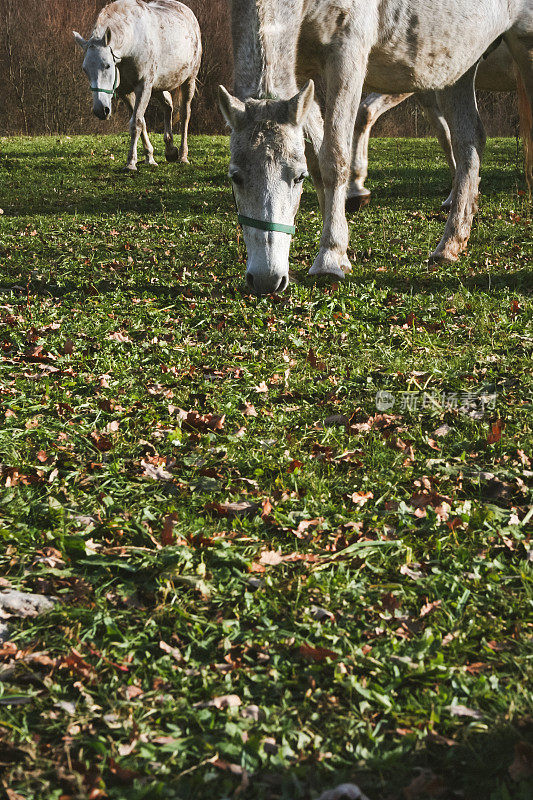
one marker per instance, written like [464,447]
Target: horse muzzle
[101,110]
[266,283]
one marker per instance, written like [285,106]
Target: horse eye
[300,178]
[236,177]
[107,66]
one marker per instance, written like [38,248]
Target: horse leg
[344,81]
[458,104]
[187,93]
[166,103]
[370,110]
[429,103]
[139,100]
[129,100]
[314,134]
[521,46]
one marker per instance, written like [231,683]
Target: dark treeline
[43,89]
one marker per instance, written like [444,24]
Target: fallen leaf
[294,465]
[427,607]
[171,651]
[227,509]
[156,473]
[132,691]
[305,524]
[360,498]
[316,653]
[223,701]
[495,432]
[271,557]
[443,430]
[101,442]
[167,534]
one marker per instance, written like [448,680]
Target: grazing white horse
[139,50]
[495,74]
[392,45]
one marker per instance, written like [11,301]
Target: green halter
[260,224]
[115,84]
[266,226]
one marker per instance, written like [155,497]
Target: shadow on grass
[520,281]
[475,769]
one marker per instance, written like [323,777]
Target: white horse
[139,50]
[495,74]
[393,45]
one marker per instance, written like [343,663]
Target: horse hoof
[152,163]
[356,203]
[130,168]
[172,155]
[327,263]
[442,258]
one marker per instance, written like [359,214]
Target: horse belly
[430,44]
[178,52]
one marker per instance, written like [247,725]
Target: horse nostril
[107,111]
[250,280]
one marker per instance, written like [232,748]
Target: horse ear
[300,104]
[233,110]
[107,37]
[80,40]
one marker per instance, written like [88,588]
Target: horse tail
[525,113]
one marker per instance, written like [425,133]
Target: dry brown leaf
[495,432]
[316,653]
[167,534]
[271,557]
[427,607]
[360,498]
[171,651]
[132,691]
[157,473]
[227,509]
[223,701]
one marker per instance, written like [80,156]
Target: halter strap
[260,224]
[115,84]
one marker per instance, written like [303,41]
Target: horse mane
[112,17]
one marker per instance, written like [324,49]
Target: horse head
[100,66]
[267,170]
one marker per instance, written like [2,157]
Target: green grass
[123,307]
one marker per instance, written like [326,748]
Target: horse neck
[265,37]
[122,26]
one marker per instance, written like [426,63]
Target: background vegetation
[44,90]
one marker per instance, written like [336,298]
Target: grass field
[266,585]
